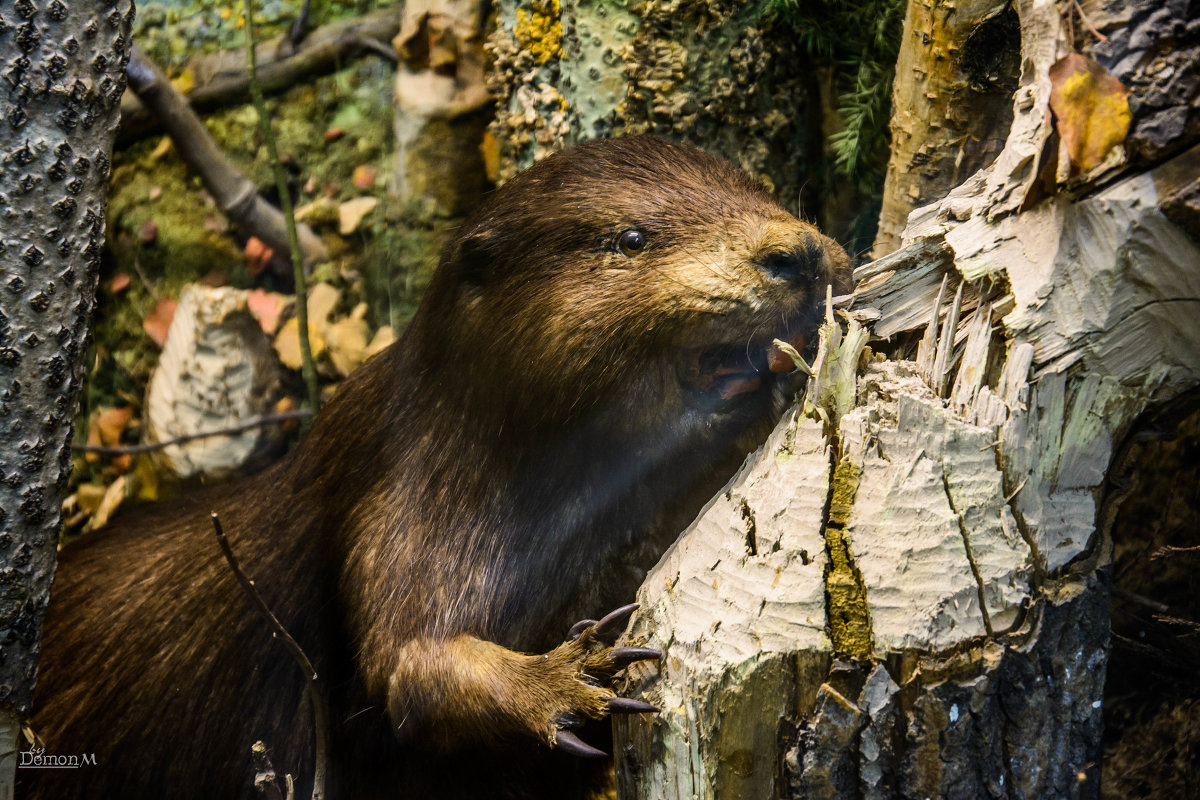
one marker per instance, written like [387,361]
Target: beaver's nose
[794,265]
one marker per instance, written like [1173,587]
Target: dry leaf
[148,232]
[110,423]
[351,213]
[382,339]
[112,498]
[321,211]
[93,440]
[287,343]
[120,282]
[1091,110]
[286,405]
[88,497]
[489,148]
[164,146]
[346,341]
[265,307]
[257,255]
[363,177]
[158,321]
[147,479]
[215,279]
[185,81]
[322,299]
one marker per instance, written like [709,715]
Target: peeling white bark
[974,479]
[216,370]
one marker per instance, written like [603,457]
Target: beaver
[583,371]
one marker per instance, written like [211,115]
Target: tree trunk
[733,78]
[951,100]
[64,66]
[904,592]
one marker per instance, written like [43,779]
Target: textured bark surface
[216,370]
[913,598]
[951,101]
[905,592]
[442,105]
[63,63]
[728,76]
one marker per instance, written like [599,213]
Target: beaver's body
[594,342]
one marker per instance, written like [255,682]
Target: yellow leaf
[287,343]
[147,479]
[112,498]
[185,81]
[1091,110]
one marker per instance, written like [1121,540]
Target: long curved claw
[614,622]
[570,743]
[624,656]
[627,705]
[578,628]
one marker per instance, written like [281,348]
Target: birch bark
[904,592]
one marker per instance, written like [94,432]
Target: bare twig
[308,367]
[299,27]
[220,78]
[1087,22]
[141,273]
[150,447]
[1140,600]
[235,195]
[316,693]
[376,46]
[1168,550]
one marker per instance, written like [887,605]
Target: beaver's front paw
[581,666]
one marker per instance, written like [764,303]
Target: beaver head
[634,270]
[586,368]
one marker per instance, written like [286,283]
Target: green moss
[172,31]
[151,183]
[849,616]
[398,261]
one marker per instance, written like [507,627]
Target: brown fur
[540,416]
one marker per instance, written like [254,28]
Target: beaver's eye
[631,241]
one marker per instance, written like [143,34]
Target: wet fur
[459,494]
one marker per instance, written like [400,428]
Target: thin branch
[377,46]
[308,367]
[299,27]
[234,193]
[1087,22]
[316,693]
[220,78]
[150,447]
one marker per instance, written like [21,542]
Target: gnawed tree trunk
[63,63]
[904,592]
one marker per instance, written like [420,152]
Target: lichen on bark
[64,67]
[728,76]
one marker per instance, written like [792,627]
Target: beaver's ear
[476,257]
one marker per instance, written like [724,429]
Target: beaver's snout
[800,265]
